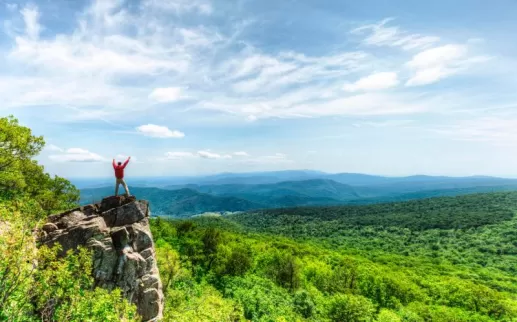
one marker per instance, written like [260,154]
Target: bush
[351,308]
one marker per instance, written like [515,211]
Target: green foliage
[386,315]
[63,290]
[36,285]
[261,299]
[17,264]
[304,304]
[284,269]
[353,308]
[21,177]
[358,273]
[17,147]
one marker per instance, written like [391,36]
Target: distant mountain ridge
[194,198]
[355,179]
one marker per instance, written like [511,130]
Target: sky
[192,87]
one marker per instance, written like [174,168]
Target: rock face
[117,231]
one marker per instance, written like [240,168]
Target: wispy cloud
[433,64]
[31,18]
[380,34]
[373,82]
[212,155]
[233,157]
[493,129]
[92,67]
[53,148]
[77,155]
[179,6]
[268,159]
[178,155]
[167,94]
[381,124]
[158,131]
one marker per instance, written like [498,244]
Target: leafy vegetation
[443,259]
[36,285]
[22,178]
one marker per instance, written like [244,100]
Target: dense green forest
[442,259]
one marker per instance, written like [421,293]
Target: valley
[237,192]
[439,259]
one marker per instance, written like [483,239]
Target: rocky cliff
[117,231]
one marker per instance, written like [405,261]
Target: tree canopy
[21,177]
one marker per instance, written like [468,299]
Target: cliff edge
[117,231]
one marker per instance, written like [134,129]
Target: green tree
[17,147]
[21,176]
[351,308]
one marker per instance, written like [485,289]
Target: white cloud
[431,65]
[166,94]
[365,104]
[90,66]
[202,154]
[30,17]
[257,72]
[241,154]
[178,155]
[438,56]
[77,155]
[492,129]
[277,156]
[388,123]
[180,6]
[373,82]
[89,72]
[158,131]
[53,148]
[380,34]
[211,155]
[268,159]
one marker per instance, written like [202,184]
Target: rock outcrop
[117,231]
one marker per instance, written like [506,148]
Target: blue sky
[197,86]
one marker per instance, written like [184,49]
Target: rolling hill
[192,199]
[177,203]
[437,259]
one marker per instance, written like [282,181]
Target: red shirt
[119,169]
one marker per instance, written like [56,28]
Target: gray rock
[151,300]
[118,234]
[49,227]
[115,202]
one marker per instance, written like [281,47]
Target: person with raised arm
[119,175]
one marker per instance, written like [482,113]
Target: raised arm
[114,166]
[125,163]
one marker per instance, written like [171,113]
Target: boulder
[114,202]
[118,234]
[49,227]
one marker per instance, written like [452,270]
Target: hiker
[119,174]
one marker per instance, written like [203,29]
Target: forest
[440,259]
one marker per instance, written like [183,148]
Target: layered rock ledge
[117,231]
